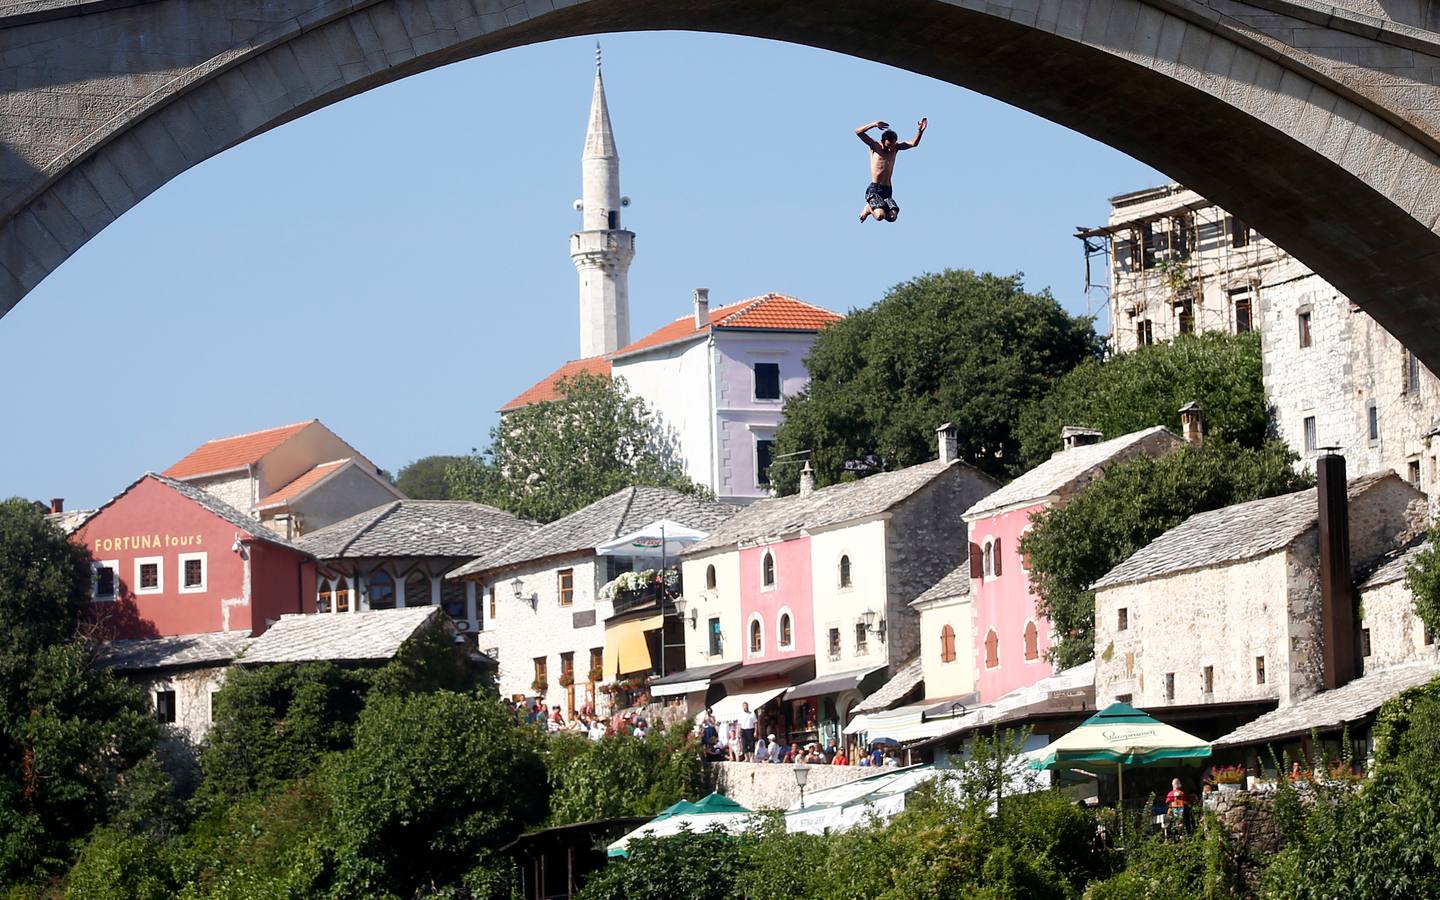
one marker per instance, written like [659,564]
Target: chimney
[949,443]
[807,479]
[57,505]
[1072,436]
[1337,591]
[702,308]
[1192,429]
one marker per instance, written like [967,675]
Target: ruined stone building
[1178,264]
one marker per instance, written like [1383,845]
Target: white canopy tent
[727,709]
[662,539]
[846,805]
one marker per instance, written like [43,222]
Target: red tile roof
[545,389]
[302,484]
[230,453]
[769,312]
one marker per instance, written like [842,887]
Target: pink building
[1011,637]
[775,601]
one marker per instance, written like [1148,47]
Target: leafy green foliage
[1138,390]
[117,863]
[424,479]
[1422,578]
[956,346]
[621,776]
[701,866]
[549,459]
[1159,869]
[433,784]
[1071,546]
[44,582]
[274,723]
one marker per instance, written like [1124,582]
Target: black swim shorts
[877,196]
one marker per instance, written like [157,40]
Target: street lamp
[802,774]
[878,630]
[519,587]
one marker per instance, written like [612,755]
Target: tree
[1070,547]
[433,786]
[424,479]
[549,459]
[619,775]
[44,583]
[1139,390]
[959,346]
[1422,579]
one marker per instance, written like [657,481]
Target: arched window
[710,578]
[992,649]
[845,571]
[767,570]
[381,590]
[1032,642]
[947,644]
[988,552]
[757,638]
[784,630]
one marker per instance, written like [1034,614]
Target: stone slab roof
[1332,710]
[1061,470]
[833,505]
[225,511]
[453,528]
[905,680]
[376,634]
[176,651]
[1392,566]
[604,520]
[956,583]
[1231,534]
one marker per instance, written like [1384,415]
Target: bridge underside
[1333,157]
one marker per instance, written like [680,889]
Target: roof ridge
[624,513]
[232,437]
[745,306]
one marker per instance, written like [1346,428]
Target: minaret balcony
[621,243]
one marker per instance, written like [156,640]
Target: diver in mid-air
[878,200]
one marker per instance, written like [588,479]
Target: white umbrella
[662,538]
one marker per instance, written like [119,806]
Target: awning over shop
[951,707]
[626,650]
[844,806]
[688,681]
[728,708]
[775,668]
[831,684]
[904,724]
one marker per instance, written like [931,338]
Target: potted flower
[597,674]
[1229,778]
[567,679]
[540,685]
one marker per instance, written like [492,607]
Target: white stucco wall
[948,679]
[722,602]
[840,607]
[339,497]
[675,382]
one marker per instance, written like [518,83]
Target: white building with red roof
[293,478]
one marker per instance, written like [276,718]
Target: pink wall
[152,520]
[1004,604]
[791,592]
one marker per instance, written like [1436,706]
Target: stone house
[1010,636]
[543,615]
[294,478]
[1390,632]
[828,575]
[1227,607]
[397,555]
[1335,377]
[180,674]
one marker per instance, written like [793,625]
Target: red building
[171,559]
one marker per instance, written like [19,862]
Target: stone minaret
[602,249]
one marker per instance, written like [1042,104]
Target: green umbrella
[1118,736]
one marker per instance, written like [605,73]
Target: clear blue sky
[397,265]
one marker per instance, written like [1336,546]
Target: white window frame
[204,558]
[840,560]
[987,558]
[159,588]
[774,568]
[779,632]
[114,566]
[755,619]
[755,456]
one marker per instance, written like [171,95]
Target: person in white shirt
[747,728]
[597,729]
[762,751]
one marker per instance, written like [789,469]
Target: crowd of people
[584,721]
[740,741]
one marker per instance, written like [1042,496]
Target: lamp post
[802,774]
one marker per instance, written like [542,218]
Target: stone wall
[1249,822]
[760,786]
[236,490]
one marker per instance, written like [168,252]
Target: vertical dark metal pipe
[1337,590]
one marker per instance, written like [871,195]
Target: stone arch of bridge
[1318,127]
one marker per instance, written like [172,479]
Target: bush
[621,776]
[686,866]
[118,864]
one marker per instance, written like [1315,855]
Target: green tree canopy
[1133,391]
[1071,546]
[549,459]
[621,776]
[424,479]
[1422,578]
[957,346]
[44,582]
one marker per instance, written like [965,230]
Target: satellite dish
[579,205]
[624,201]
